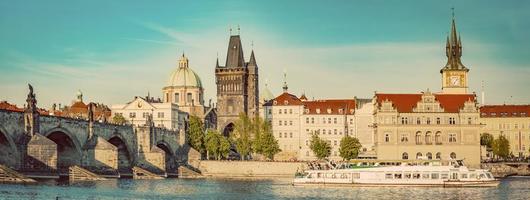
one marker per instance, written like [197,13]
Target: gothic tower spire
[453,49]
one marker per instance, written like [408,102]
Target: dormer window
[285,102]
[329,110]
[340,111]
[306,111]
[275,102]
[318,110]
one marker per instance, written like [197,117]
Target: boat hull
[491,183]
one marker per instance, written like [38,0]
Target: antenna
[238,30]
[482,94]
[230,28]
[453,11]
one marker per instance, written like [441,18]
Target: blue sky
[115,50]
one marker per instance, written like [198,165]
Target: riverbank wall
[235,169]
[500,170]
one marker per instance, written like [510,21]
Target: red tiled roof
[404,103]
[285,99]
[334,106]
[505,111]
[4,105]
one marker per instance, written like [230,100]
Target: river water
[510,188]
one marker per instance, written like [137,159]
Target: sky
[115,50]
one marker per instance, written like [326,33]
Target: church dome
[184,76]
[266,94]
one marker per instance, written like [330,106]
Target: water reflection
[510,188]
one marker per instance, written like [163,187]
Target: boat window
[435,176]
[425,176]
[473,176]
[407,175]
[319,175]
[416,176]
[463,175]
[445,176]
[482,176]
[489,175]
[397,176]
[388,176]
[356,175]
[454,175]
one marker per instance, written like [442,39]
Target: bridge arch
[9,155]
[125,157]
[170,155]
[69,149]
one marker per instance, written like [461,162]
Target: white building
[294,120]
[165,115]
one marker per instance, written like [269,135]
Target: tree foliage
[501,147]
[265,142]
[196,134]
[217,146]
[320,148]
[349,147]
[119,119]
[486,139]
[243,129]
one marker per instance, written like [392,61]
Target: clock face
[455,81]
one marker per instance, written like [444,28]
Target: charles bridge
[41,145]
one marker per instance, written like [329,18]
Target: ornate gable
[428,103]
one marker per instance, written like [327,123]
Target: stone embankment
[139,173]
[211,168]
[76,173]
[507,169]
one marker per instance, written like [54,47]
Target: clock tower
[454,74]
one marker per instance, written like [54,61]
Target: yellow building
[431,125]
[512,121]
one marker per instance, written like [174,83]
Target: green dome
[184,76]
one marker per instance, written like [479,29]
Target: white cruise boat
[432,173]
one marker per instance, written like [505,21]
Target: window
[290,111]
[418,121]
[429,156]
[280,123]
[418,155]
[335,142]
[323,131]
[428,120]
[387,138]
[428,138]
[438,138]
[160,114]
[452,137]
[435,176]
[335,131]
[388,176]
[405,156]
[438,156]
[132,115]
[335,120]
[418,137]
[177,98]
[452,120]
[285,111]
[279,111]
[404,138]
[351,121]
[280,135]
[453,155]
[144,115]
[291,135]
[291,123]
[397,176]
[469,120]
[437,120]
[312,120]
[329,120]
[307,120]
[188,98]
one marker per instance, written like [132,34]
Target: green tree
[501,147]
[486,139]
[118,119]
[258,128]
[196,133]
[320,148]
[212,144]
[224,147]
[242,135]
[349,147]
[268,145]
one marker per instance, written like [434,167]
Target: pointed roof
[453,50]
[252,61]
[234,56]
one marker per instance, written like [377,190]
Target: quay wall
[507,169]
[210,168]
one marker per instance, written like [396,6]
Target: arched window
[429,156]
[418,137]
[405,156]
[438,156]
[387,138]
[418,156]
[418,121]
[453,155]
[188,100]
[428,138]
[177,98]
[437,120]
[438,138]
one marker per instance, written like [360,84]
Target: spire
[217,63]
[285,82]
[183,61]
[252,61]
[453,49]
[234,56]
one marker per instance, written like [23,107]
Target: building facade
[165,115]
[237,86]
[431,125]
[511,121]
